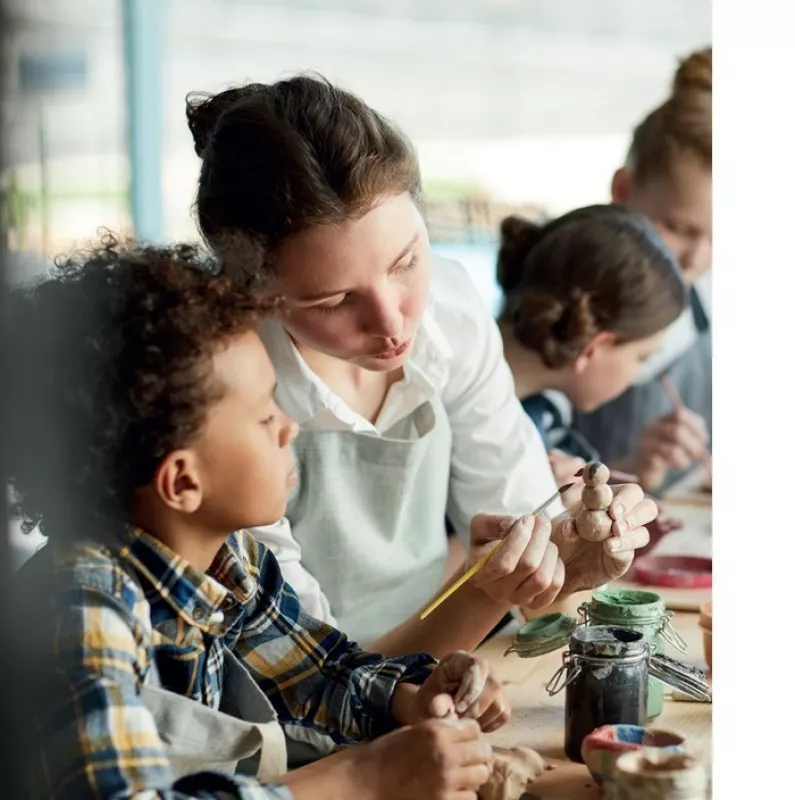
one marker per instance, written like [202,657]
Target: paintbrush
[670,389]
[483,560]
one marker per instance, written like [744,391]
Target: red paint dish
[679,572]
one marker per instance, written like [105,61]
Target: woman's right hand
[676,440]
[441,759]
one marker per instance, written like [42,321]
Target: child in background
[588,298]
[165,650]
[668,177]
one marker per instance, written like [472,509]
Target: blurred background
[513,104]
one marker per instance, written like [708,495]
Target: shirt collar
[195,596]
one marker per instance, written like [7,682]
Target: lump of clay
[513,771]
[593,526]
[597,498]
[593,522]
[595,474]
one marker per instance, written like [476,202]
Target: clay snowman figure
[593,521]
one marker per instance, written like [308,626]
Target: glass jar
[605,674]
[640,611]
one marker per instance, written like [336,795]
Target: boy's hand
[441,759]
[462,686]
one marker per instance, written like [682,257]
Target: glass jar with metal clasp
[605,673]
[641,611]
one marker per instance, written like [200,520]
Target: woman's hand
[461,686]
[525,569]
[591,564]
[676,440]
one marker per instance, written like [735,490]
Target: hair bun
[517,237]
[204,110]
[694,73]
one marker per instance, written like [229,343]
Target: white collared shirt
[499,463]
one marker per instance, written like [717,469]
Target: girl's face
[607,367]
[679,205]
[357,290]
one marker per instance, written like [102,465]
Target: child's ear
[600,341]
[621,187]
[178,483]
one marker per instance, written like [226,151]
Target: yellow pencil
[483,560]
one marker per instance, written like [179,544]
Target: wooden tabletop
[537,720]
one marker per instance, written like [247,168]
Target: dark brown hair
[600,268]
[280,158]
[682,124]
[110,373]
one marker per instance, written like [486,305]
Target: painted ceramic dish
[602,748]
[680,572]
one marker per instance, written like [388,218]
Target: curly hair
[110,372]
[600,268]
[280,158]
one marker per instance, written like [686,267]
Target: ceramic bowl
[602,747]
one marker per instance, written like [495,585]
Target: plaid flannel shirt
[114,614]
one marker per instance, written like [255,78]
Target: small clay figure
[513,771]
[593,522]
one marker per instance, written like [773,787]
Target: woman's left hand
[591,564]
[462,686]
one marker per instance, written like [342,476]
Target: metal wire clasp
[557,682]
[669,633]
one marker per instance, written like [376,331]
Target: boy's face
[243,458]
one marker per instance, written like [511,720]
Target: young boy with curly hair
[163,649]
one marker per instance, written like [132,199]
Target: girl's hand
[676,440]
[462,686]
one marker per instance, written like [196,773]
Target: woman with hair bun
[588,298]
[668,177]
[393,366]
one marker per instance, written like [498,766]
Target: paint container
[651,774]
[604,746]
[639,611]
[705,623]
[605,672]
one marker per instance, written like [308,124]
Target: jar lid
[688,680]
[543,635]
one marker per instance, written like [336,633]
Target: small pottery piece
[705,623]
[593,526]
[680,572]
[602,748]
[595,474]
[659,774]
[513,770]
[597,497]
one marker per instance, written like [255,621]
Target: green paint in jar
[639,611]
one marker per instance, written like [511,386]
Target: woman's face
[607,368]
[679,205]
[357,290]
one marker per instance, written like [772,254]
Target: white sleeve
[499,463]
[278,538]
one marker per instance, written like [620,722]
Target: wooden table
[537,720]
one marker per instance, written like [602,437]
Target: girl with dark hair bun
[588,298]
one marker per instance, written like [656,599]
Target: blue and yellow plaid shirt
[110,616]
